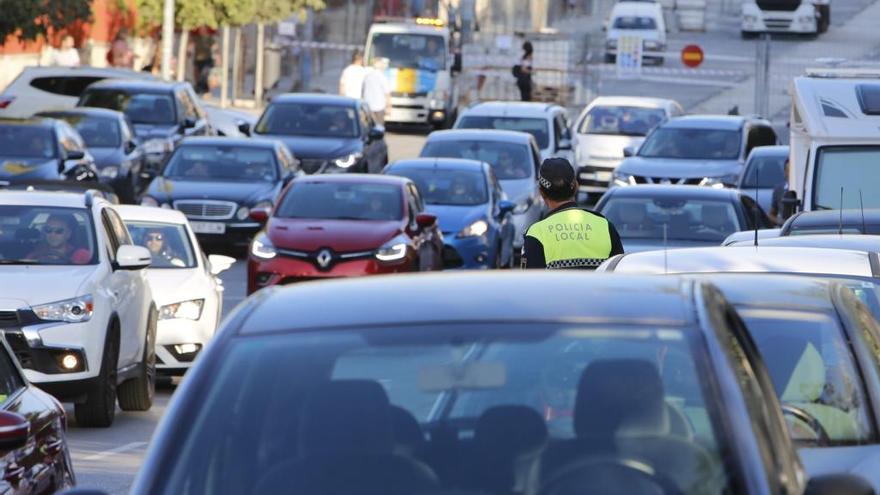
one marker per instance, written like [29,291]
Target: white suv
[75,305]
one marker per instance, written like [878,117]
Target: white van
[835,142]
[640,19]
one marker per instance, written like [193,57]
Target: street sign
[692,56]
[629,56]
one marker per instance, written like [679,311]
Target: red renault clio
[343,226]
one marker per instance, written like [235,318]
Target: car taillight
[5,101]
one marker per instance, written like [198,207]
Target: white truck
[423,69]
[835,140]
[810,17]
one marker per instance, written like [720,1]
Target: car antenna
[862,208]
[757,181]
[840,220]
[665,249]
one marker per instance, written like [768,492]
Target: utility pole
[167,38]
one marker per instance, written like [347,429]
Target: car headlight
[475,229]
[187,310]
[242,213]
[437,99]
[109,172]
[262,247]
[158,146]
[74,310]
[393,250]
[523,207]
[623,179]
[347,161]
[719,182]
[263,204]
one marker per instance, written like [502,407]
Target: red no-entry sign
[692,56]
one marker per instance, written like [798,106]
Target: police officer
[569,236]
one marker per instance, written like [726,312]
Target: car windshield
[97,132]
[37,235]
[695,144]
[536,127]
[168,243]
[684,219]
[222,163]
[309,119]
[851,169]
[27,142]
[634,22]
[510,161]
[457,408]
[140,108]
[413,51]
[765,171]
[342,201]
[447,186]
[814,374]
[626,121]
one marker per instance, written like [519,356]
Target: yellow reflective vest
[575,238]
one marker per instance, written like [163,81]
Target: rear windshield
[27,141]
[509,160]
[141,108]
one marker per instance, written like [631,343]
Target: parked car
[546,122]
[607,126]
[763,172]
[705,150]
[43,149]
[514,158]
[33,443]
[854,221]
[472,210]
[109,138]
[631,393]
[82,314]
[184,281]
[162,112]
[642,20]
[344,226]
[328,133]
[38,89]
[216,182]
[657,217]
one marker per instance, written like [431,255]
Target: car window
[851,168]
[765,171]
[64,85]
[168,243]
[696,144]
[563,132]
[120,232]
[760,135]
[96,132]
[140,108]
[536,127]
[341,200]
[70,139]
[187,105]
[684,219]
[621,120]
[634,22]
[519,390]
[27,142]
[222,163]
[46,235]
[417,198]
[309,119]
[11,380]
[191,96]
[510,160]
[446,186]
[754,214]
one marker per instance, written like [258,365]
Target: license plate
[208,227]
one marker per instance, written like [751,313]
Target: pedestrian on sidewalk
[351,83]
[377,90]
[524,74]
[120,54]
[67,54]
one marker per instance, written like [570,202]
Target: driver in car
[508,167]
[57,246]
[162,255]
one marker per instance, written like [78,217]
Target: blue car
[471,208]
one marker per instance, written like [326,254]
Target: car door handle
[14,473]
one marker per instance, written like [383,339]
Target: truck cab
[809,17]
[835,146]
[422,71]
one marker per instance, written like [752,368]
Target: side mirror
[189,123]
[426,220]
[563,144]
[260,215]
[629,151]
[244,128]
[75,155]
[130,257]
[14,430]
[456,63]
[220,263]
[130,146]
[838,484]
[790,203]
[376,133]
[505,206]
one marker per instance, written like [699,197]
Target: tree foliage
[30,19]
[214,13]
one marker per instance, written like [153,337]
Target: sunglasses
[154,237]
[54,230]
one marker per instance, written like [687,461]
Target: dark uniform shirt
[534,255]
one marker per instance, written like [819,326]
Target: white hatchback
[184,282]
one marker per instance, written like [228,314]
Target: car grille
[206,210]
[20,348]
[399,94]
[313,165]
[778,5]
[8,318]
[641,179]
[783,24]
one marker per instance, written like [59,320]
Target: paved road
[109,458]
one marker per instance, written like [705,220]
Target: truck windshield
[404,50]
[851,168]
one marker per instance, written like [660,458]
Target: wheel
[99,409]
[137,393]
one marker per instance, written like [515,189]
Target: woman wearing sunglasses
[163,256]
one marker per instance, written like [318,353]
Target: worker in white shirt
[377,90]
[67,55]
[351,83]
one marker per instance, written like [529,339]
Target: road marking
[118,450]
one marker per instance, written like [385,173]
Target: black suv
[162,113]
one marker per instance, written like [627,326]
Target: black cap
[556,178]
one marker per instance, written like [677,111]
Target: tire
[99,409]
[137,393]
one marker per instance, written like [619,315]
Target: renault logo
[324,258]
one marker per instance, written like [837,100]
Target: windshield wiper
[19,262]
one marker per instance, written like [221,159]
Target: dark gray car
[40,149]
[764,171]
